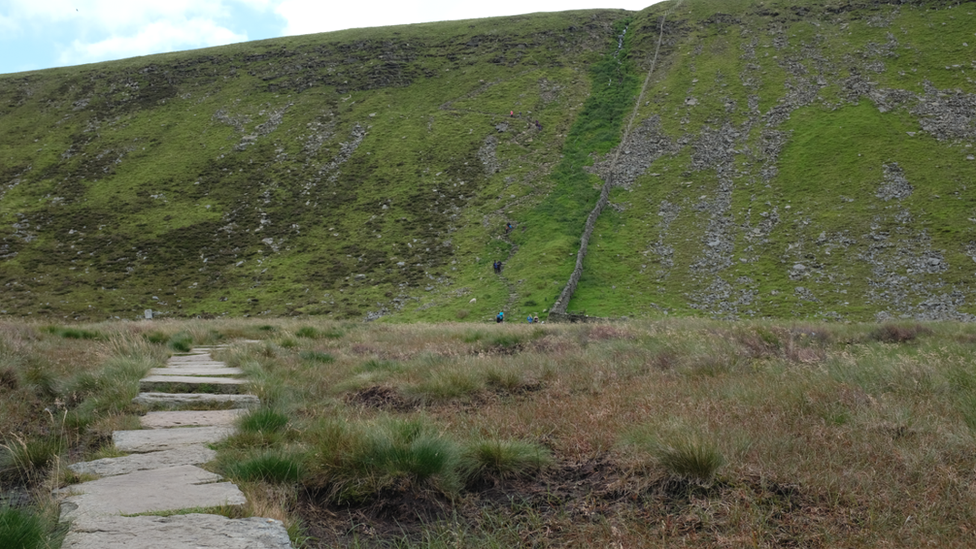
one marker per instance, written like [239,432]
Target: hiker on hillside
[538,126]
[500,318]
[535,319]
[508,228]
[511,114]
[530,319]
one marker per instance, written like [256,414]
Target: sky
[39,34]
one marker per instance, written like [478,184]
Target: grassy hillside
[791,159]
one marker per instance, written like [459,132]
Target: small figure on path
[538,126]
[508,228]
[511,114]
[535,319]
[530,319]
[500,318]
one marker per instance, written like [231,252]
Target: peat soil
[565,504]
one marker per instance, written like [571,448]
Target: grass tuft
[502,459]
[25,457]
[181,342]
[355,462]
[317,356]
[263,420]
[690,457]
[22,529]
[275,465]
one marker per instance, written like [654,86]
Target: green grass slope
[792,158]
[816,161]
[331,174]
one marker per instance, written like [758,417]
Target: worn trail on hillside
[562,302]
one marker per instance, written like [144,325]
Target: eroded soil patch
[598,492]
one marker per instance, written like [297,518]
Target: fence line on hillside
[559,307]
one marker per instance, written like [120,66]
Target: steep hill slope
[789,159]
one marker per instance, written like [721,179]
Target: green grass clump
[493,458]
[181,342]
[317,356]
[690,457]
[355,462]
[25,458]
[263,420]
[273,465]
[307,332]
[447,384]
[156,337]
[23,529]
[506,341]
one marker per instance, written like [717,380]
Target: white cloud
[310,16]
[109,29]
[160,36]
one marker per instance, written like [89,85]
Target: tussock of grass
[181,342]
[263,420]
[26,458]
[494,458]
[24,529]
[374,365]
[690,457]
[271,465]
[317,356]
[446,384]
[354,462]
[156,337]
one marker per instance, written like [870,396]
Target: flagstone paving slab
[155,440]
[169,489]
[203,357]
[193,454]
[191,418]
[193,531]
[192,383]
[196,371]
[196,364]
[196,399]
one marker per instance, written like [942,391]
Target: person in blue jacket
[500,318]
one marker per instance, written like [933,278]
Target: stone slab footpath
[161,474]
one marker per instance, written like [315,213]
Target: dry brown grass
[832,435]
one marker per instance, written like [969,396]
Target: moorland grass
[267,465]
[263,420]
[26,528]
[495,458]
[815,429]
[690,457]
